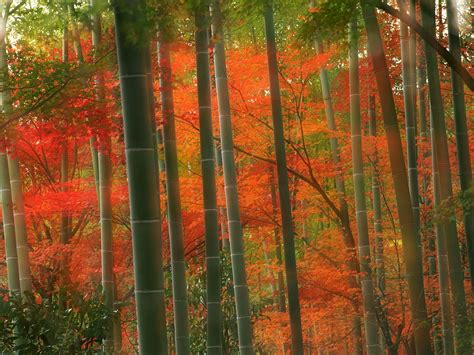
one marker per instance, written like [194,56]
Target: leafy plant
[67,321]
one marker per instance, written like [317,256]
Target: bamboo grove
[236,176]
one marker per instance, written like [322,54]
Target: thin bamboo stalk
[283,188]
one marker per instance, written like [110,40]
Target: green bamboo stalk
[370,317]
[442,260]
[76,41]
[412,65]
[410,237]
[376,203]
[159,141]
[20,223]
[462,139]
[140,160]
[163,348]
[175,224]
[106,231]
[15,178]
[277,239]
[76,37]
[409,96]
[64,165]
[284,193]
[462,337]
[432,240]
[64,179]
[377,208]
[214,317]
[13,274]
[424,137]
[348,238]
[224,237]
[104,170]
[421,96]
[242,302]
[11,254]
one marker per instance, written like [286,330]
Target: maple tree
[213,176]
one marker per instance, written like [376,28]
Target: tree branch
[425,35]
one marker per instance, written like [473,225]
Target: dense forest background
[236,176]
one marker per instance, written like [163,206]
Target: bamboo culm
[438,129]
[20,223]
[410,237]
[348,238]
[239,275]
[462,139]
[208,167]
[15,182]
[104,174]
[370,317]
[409,97]
[140,161]
[283,188]
[175,225]
[442,262]
[377,206]
[163,347]
[13,275]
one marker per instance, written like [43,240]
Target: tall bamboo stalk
[175,224]
[223,235]
[154,134]
[370,317]
[283,188]
[462,337]
[20,223]
[242,302]
[442,260]
[377,208]
[106,230]
[462,139]
[140,159]
[13,275]
[376,203]
[409,96]
[64,165]
[14,170]
[76,41]
[214,316]
[104,167]
[277,239]
[410,237]
[348,238]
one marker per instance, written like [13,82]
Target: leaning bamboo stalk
[438,129]
[410,236]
